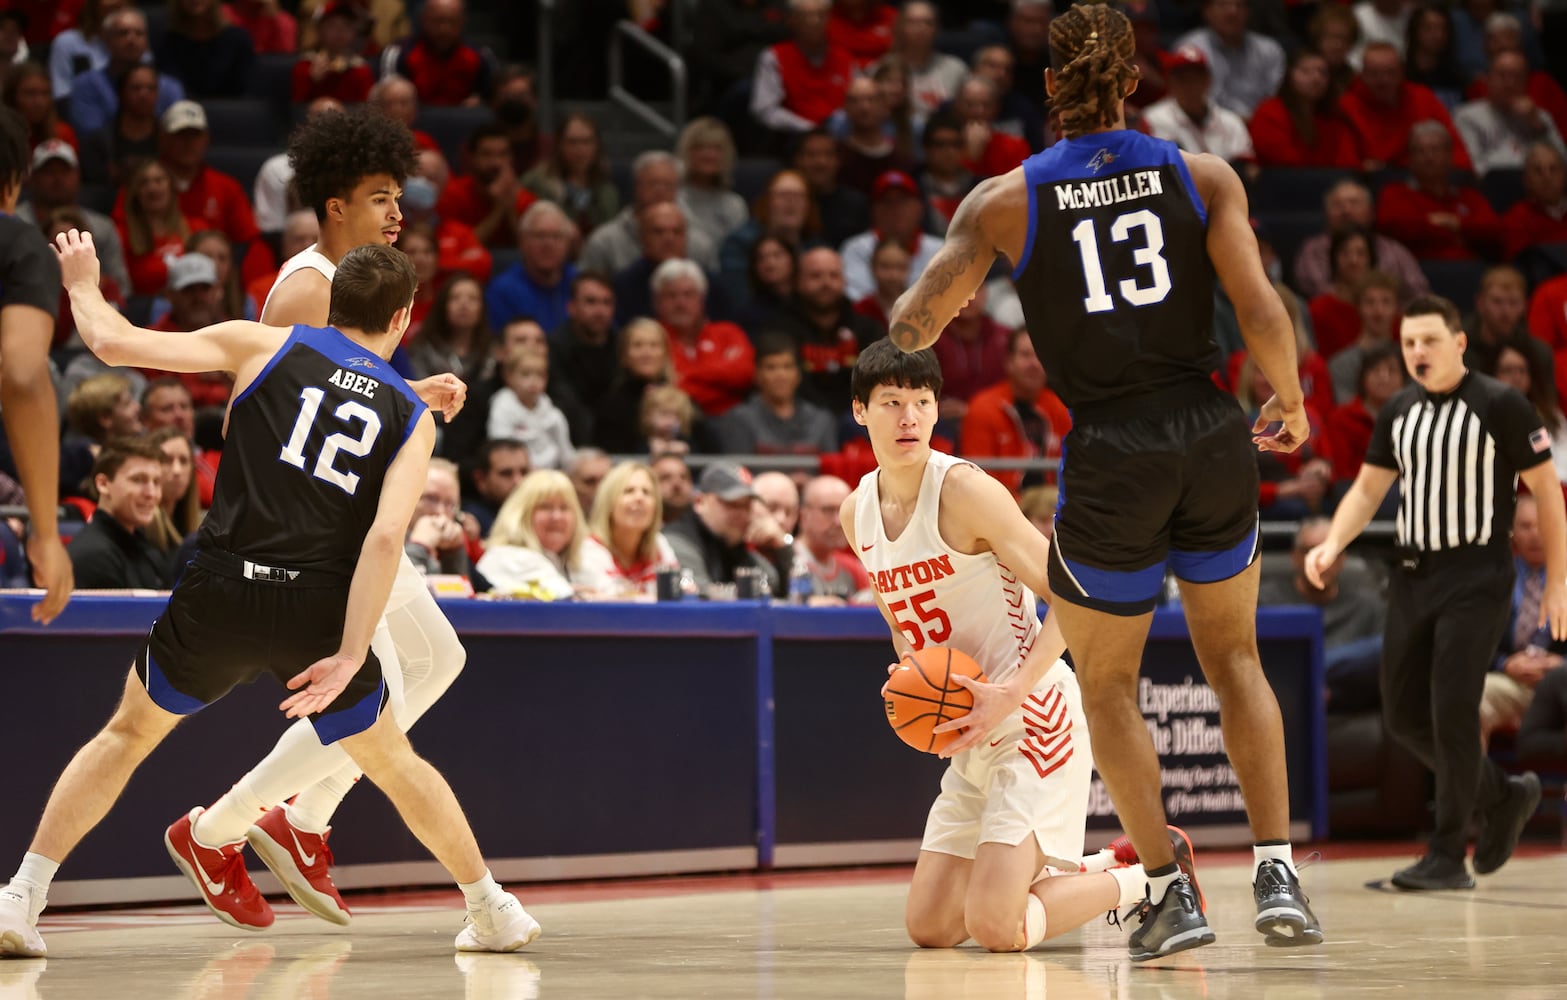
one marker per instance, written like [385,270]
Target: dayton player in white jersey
[954,562]
[348,168]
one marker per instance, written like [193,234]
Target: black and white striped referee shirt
[1458,455]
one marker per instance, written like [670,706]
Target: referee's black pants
[1444,622]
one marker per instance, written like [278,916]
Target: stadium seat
[241,162]
[243,121]
[1457,280]
[450,128]
[1502,188]
[752,174]
[1293,189]
[271,78]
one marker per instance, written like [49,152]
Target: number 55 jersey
[1115,280]
[309,443]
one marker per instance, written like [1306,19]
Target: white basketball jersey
[310,258]
[941,597]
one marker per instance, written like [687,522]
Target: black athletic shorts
[229,621]
[1169,478]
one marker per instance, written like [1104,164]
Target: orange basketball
[921,695]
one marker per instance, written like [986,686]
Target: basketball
[922,694]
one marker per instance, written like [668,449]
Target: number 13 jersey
[1115,281]
[941,597]
[309,443]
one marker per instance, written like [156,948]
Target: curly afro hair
[332,151]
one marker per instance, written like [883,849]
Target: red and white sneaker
[302,862]
[219,875]
[1185,857]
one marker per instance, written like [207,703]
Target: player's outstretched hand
[1292,434]
[323,681]
[78,258]
[1553,609]
[992,704]
[51,571]
[1318,560]
[444,393]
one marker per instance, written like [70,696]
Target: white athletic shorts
[1030,776]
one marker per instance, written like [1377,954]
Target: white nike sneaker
[500,925]
[20,905]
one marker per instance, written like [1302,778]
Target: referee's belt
[239,568]
[1418,561]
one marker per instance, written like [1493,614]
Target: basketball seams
[935,701]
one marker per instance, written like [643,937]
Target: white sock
[1033,921]
[478,893]
[37,871]
[312,808]
[1157,884]
[1100,861]
[1132,881]
[231,817]
[1272,852]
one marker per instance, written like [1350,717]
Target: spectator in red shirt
[1435,218]
[800,82]
[1302,126]
[1018,417]
[1548,322]
[490,197]
[398,100]
[973,355]
[334,69]
[167,403]
[457,243]
[714,362]
[987,151]
[195,301]
[271,31]
[863,28]
[27,93]
[1383,107]
[444,69]
[1349,426]
[1542,215]
[152,227]
[1334,318]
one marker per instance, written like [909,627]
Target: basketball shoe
[1185,858]
[20,905]
[1432,873]
[1173,924]
[302,862]
[1504,824]
[219,875]
[501,924]
[1284,916]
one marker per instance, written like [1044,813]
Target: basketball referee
[1458,441]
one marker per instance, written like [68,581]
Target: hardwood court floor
[831,935]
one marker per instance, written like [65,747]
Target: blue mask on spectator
[418,194]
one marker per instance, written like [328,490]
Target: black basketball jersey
[29,270]
[308,446]
[1115,280]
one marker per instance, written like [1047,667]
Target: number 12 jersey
[1115,280]
[308,447]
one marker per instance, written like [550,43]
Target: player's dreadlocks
[1091,51]
[332,151]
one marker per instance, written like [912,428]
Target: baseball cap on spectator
[894,180]
[191,269]
[1185,57]
[183,115]
[726,481]
[54,149]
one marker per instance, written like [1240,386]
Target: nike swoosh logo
[308,859]
[216,888]
[867,548]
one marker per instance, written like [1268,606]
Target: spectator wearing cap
[27,93]
[1348,205]
[714,362]
[987,150]
[1247,67]
[826,330]
[195,301]
[271,30]
[334,69]
[897,212]
[866,148]
[538,285]
[1499,127]
[56,183]
[210,56]
[1302,126]
[94,97]
[710,538]
[616,245]
[1384,108]
[1541,217]
[446,70]
[799,82]
[1188,118]
[489,197]
[1436,218]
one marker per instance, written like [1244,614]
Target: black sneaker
[1284,915]
[1504,824]
[1173,924]
[1434,872]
